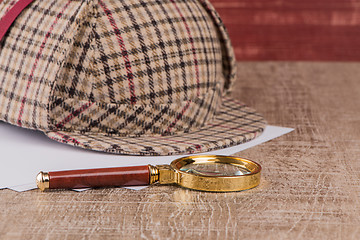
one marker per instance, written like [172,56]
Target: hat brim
[235,123]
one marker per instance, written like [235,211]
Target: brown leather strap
[11,15]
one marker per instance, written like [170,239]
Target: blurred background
[312,30]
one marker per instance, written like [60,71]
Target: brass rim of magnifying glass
[171,174]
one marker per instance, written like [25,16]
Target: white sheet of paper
[25,152]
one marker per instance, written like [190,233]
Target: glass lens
[215,169]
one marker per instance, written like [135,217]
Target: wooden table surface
[309,190]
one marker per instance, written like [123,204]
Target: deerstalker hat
[137,77]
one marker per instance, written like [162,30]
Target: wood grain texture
[310,181]
[292,29]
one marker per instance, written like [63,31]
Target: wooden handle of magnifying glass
[90,178]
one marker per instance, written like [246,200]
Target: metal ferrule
[154,174]
[43,180]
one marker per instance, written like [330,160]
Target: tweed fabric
[32,53]
[234,124]
[140,77]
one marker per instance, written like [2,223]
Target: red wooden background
[293,29]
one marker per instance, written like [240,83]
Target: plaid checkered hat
[137,77]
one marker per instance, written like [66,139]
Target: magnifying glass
[213,173]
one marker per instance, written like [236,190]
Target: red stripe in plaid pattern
[124,52]
[11,15]
[67,139]
[38,56]
[178,117]
[74,114]
[192,46]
